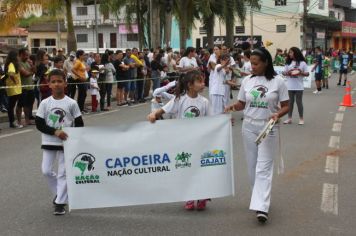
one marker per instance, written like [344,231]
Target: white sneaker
[316,91]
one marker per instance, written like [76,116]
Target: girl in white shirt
[187,103]
[262,96]
[94,90]
[295,70]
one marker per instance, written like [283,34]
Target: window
[82,11]
[113,40]
[50,42]
[281,28]
[202,30]
[280,2]
[332,14]
[36,43]
[82,38]
[12,41]
[239,29]
[132,37]
[321,4]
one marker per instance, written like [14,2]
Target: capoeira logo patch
[56,117]
[191,112]
[259,93]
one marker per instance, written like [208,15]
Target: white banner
[307,81]
[144,163]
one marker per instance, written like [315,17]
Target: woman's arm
[238,106]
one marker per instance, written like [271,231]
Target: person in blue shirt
[318,68]
[344,63]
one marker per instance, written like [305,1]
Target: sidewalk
[4,118]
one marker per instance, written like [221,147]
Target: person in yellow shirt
[79,71]
[13,84]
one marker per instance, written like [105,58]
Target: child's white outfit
[187,107]
[218,90]
[163,94]
[57,113]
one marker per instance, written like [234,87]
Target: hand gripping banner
[144,163]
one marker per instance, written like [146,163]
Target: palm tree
[16,9]
[230,9]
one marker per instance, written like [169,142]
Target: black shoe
[327,86]
[338,84]
[59,209]
[344,84]
[262,217]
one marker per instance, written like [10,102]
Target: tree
[232,8]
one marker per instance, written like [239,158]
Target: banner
[307,81]
[144,163]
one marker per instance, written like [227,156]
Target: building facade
[113,33]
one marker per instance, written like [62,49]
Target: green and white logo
[258,93]
[84,162]
[182,160]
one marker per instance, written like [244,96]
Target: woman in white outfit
[263,96]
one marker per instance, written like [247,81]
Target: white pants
[217,104]
[260,162]
[56,182]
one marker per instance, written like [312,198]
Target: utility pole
[305,16]
[251,20]
[96,27]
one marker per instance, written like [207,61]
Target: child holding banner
[54,113]
[188,103]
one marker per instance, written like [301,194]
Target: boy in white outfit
[54,113]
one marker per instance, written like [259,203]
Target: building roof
[18,32]
[46,27]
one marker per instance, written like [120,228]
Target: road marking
[102,113]
[336,127]
[16,133]
[334,142]
[332,164]
[342,108]
[329,202]
[339,117]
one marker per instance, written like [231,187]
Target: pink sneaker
[189,205]
[201,204]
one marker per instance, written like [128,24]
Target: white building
[112,32]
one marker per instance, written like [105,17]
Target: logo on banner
[213,158]
[84,164]
[182,160]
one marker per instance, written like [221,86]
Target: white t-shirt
[57,114]
[262,96]
[187,62]
[216,83]
[187,107]
[94,82]
[247,67]
[295,82]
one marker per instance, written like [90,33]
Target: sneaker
[3,110]
[201,204]
[316,91]
[59,209]
[289,121]
[189,205]
[85,112]
[338,84]
[16,126]
[262,217]
[344,84]
[301,122]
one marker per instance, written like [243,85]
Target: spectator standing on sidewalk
[27,70]
[318,68]
[79,71]
[13,82]
[68,66]
[109,80]
[3,97]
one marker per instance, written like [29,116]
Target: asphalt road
[306,200]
